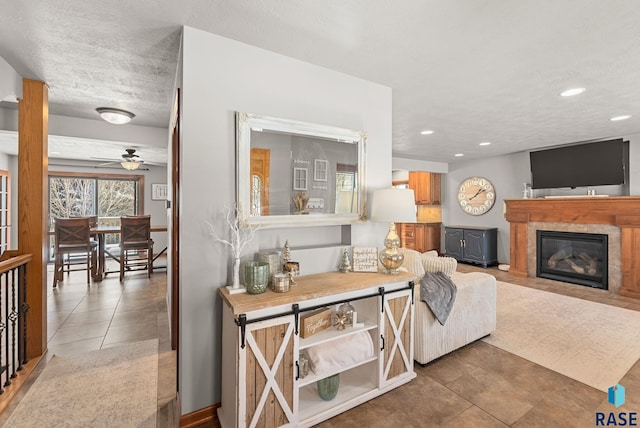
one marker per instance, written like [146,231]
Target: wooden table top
[310,287]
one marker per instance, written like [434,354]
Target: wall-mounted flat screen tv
[590,164]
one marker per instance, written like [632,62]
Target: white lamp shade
[393,205]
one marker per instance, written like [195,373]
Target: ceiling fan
[130,161]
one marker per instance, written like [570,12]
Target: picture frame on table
[364,259]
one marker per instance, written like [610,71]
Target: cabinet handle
[382,337]
[297,370]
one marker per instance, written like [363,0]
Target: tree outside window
[108,198]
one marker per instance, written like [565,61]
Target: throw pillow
[412,261]
[447,265]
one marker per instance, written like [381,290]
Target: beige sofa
[473,315]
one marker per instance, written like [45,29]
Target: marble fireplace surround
[618,217]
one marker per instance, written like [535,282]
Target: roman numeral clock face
[476,195]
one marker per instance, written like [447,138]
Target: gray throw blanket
[438,292]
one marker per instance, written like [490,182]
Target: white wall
[221,76]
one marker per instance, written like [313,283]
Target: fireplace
[579,258]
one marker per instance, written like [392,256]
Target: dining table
[100,233]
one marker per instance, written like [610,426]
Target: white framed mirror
[291,173]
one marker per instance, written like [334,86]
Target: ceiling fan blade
[105,159]
[106,163]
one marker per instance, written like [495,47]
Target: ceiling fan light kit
[130,165]
[115,116]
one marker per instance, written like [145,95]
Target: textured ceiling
[470,70]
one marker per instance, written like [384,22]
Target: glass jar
[304,365]
[346,310]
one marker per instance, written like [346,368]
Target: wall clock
[476,195]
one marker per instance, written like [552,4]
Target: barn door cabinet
[261,344]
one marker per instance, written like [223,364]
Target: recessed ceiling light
[115,115]
[621,117]
[571,92]
[485,143]
[427,132]
[459,155]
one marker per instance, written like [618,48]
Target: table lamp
[395,206]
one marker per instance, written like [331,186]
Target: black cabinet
[472,244]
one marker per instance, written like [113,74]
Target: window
[107,196]
[346,189]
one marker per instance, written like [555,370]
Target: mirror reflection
[298,172]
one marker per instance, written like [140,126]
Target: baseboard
[200,417]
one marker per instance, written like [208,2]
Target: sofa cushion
[448,265]
[412,261]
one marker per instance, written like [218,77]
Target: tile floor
[483,386]
[85,318]
[476,386]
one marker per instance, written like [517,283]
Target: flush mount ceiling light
[571,92]
[621,117]
[130,164]
[427,132]
[115,115]
[459,155]
[485,143]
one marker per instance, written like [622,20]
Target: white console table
[261,383]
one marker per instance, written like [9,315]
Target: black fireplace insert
[578,258]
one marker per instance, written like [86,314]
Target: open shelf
[331,333]
[312,377]
[353,384]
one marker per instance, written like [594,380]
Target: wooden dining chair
[73,242]
[136,245]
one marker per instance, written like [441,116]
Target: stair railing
[13,316]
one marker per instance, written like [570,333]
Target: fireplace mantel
[620,211]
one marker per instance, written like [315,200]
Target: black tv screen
[590,164]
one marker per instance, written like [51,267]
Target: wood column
[519,244]
[33,197]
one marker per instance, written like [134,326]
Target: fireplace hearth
[578,258]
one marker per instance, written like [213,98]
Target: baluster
[7,381]
[3,282]
[13,316]
[22,297]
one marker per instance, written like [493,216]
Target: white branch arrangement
[241,236]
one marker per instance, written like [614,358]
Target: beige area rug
[113,387]
[593,343]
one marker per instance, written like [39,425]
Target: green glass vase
[328,387]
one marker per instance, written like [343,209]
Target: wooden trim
[18,382]
[94,175]
[175,230]
[200,417]
[621,211]
[33,206]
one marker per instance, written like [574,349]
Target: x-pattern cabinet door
[266,374]
[396,355]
